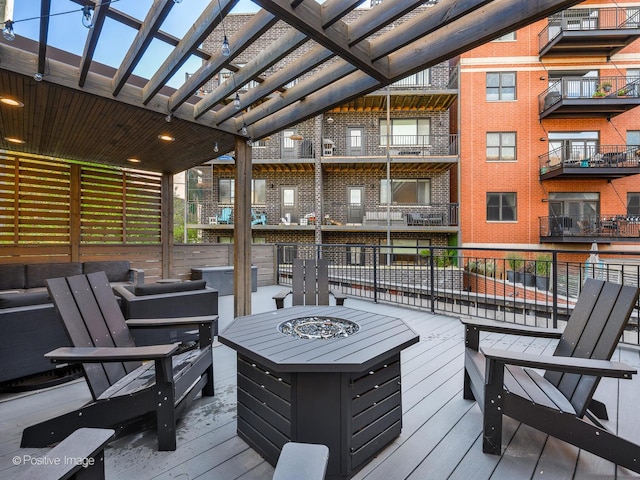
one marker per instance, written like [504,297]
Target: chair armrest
[111,354]
[171,322]
[280,296]
[136,276]
[582,366]
[510,328]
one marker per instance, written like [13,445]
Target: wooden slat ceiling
[86,111]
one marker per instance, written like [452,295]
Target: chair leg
[467,392]
[208,390]
[165,411]
[493,408]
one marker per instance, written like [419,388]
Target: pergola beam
[203,26]
[497,18]
[376,19]
[256,27]
[334,10]
[307,18]
[157,14]
[99,16]
[280,48]
[45,9]
[136,24]
[461,35]
[310,60]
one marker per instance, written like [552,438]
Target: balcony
[597,162]
[434,89]
[592,32]
[433,153]
[590,228]
[433,217]
[587,97]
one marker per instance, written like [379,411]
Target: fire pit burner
[318,327]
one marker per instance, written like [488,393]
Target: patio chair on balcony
[310,284]
[504,382]
[126,394]
[225,216]
[258,218]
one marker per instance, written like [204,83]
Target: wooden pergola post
[242,230]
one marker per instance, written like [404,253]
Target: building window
[633,204]
[406,131]
[407,192]
[226,191]
[509,37]
[572,146]
[404,250]
[501,86]
[501,207]
[501,146]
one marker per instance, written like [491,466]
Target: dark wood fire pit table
[341,389]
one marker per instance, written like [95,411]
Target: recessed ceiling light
[11,102]
[166,138]
[14,140]
[134,160]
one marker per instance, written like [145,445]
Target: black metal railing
[588,19]
[590,156]
[592,226]
[595,88]
[522,286]
[303,213]
[356,147]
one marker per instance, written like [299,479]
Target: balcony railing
[590,160]
[531,287]
[578,20]
[303,213]
[591,228]
[594,88]
[357,147]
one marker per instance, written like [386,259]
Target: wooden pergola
[122,110]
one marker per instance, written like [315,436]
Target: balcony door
[355,141]
[289,204]
[355,204]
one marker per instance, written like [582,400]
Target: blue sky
[67,33]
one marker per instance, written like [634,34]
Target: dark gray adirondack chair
[310,284]
[557,402]
[125,392]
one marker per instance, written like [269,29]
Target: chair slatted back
[310,282]
[92,318]
[593,331]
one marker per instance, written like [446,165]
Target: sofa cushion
[10,300]
[156,288]
[38,273]
[116,270]
[13,276]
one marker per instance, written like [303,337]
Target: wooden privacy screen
[50,201]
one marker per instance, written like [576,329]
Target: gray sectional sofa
[29,324]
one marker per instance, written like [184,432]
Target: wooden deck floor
[440,437]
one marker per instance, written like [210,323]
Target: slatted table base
[354,413]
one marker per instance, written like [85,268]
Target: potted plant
[543,271]
[515,261]
[622,92]
[606,86]
[598,92]
[529,274]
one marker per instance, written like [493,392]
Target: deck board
[440,439]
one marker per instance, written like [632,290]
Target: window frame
[501,208]
[428,191]
[502,147]
[502,87]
